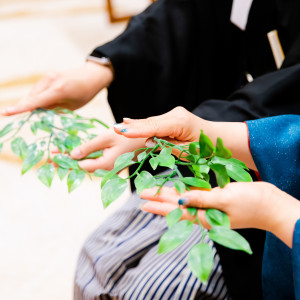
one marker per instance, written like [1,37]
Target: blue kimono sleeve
[275,148]
[296,259]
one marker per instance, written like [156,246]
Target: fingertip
[76,154]
[150,143]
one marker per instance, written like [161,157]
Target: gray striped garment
[120,261]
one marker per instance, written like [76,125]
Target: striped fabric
[120,261]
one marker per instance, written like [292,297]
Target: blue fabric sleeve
[296,259]
[275,148]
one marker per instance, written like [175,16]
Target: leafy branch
[62,128]
[67,130]
[200,158]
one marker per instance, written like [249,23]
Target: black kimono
[188,53]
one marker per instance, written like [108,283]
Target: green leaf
[95,154]
[206,145]
[43,125]
[175,236]
[100,173]
[201,261]
[32,158]
[46,174]
[34,128]
[72,141]
[7,129]
[174,217]
[67,122]
[166,159]
[230,161]
[141,156]
[1,147]
[192,211]
[74,179]
[216,217]
[112,190]
[61,172]
[238,173]
[154,163]
[229,238]
[221,150]
[60,144]
[123,161]
[192,181]
[91,136]
[43,143]
[65,162]
[144,181]
[193,148]
[19,147]
[179,186]
[221,174]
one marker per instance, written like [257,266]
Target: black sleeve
[174,50]
[275,93]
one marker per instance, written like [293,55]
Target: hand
[248,205]
[179,126]
[112,144]
[70,89]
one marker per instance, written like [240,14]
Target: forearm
[282,221]
[234,136]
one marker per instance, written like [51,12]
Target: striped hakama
[120,261]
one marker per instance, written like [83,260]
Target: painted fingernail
[76,153]
[124,130]
[183,201]
[150,144]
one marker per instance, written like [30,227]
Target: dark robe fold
[186,52]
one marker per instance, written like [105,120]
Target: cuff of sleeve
[256,172]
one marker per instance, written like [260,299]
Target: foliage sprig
[66,130]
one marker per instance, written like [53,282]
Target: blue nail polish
[183,201]
[124,130]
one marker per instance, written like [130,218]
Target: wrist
[97,76]
[282,216]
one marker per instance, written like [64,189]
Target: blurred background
[42,230]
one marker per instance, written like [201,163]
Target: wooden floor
[41,229]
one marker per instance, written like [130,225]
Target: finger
[201,198]
[202,218]
[166,194]
[159,208]
[163,209]
[30,103]
[91,146]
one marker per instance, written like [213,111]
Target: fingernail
[126,119]
[150,144]
[76,153]
[183,201]
[124,130]
[118,125]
